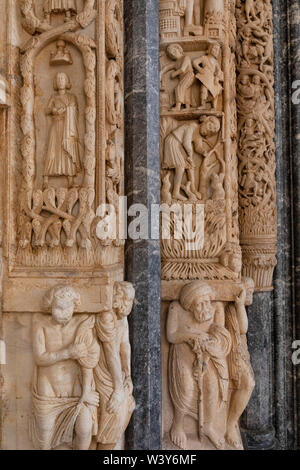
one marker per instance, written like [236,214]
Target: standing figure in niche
[209,75]
[183,70]
[65,351]
[63,156]
[60,6]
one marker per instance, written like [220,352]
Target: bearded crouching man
[113,372]
[64,400]
[197,335]
[240,370]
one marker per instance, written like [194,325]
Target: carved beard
[203,315]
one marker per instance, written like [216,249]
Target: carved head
[249,286]
[175,51]
[232,257]
[247,31]
[124,294]
[196,297]
[244,79]
[217,180]
[61,45]
[249,123]
[61,301]
[256,79]
[214,49]
[209,126]
[61,82]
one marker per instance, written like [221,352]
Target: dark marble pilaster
[142,177]
[294,90]
[257,421]
[284,313]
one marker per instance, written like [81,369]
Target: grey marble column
[143,187]
[257,421]
[294,95]
[284,311]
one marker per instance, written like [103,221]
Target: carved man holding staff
[198,372]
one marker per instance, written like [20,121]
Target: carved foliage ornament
[256,148]
[32,23]
[61,216]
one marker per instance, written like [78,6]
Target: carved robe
[58,414]
[111,425]
[59,6]
[239,355]
[63,157]
[186,80]
[182,384]
[176,145]
[210,74]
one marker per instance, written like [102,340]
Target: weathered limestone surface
[66,379]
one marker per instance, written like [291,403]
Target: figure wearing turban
[198,372]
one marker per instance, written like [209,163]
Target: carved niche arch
[32,24]
[86,46]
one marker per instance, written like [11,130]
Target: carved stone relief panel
[208,378]
[64,299]
[256,148]
[71,396]
[70,112]
[198,137]
[205,154]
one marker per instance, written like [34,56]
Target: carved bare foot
[178,436]
[218,442]
[179,197]
[233,437]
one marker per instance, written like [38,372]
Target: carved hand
[77,351]
[115,401]
[128,384]
[241,298]
[90,398]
